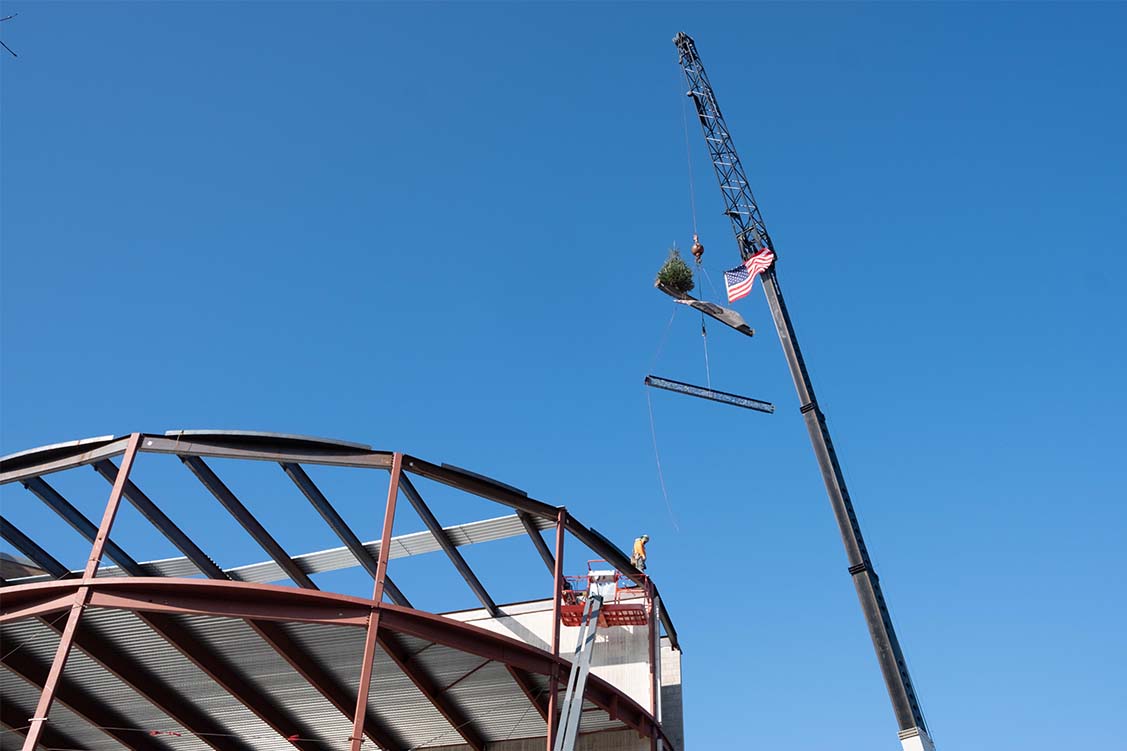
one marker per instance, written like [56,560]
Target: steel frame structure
[161,601]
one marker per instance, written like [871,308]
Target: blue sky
[434,228]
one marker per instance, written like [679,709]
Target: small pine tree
[675,273]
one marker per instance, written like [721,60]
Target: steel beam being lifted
[711,394]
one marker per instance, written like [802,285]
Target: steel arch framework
[162,602]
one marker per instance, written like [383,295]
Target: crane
[751,237]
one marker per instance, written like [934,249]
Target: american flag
[739,280]
[760,262]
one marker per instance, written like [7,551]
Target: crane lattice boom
[751,235]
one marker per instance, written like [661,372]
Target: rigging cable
[661,342]
[653,430]
[657,458]
[704,338]
[688,152]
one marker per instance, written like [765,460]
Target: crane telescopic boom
[751,235]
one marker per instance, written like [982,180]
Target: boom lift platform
[601,598]
[621,602]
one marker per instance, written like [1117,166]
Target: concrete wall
[620,657]
[672,717]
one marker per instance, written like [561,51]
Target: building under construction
[180,653]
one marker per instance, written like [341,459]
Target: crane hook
[697,250]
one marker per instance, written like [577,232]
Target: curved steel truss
[181,645]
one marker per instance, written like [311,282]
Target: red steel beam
[145,595]
[368,659]
[30,608]
[652,635]
[393,619]
[333,690]
[189,603]
[197,597]
[557,597]
[81,596]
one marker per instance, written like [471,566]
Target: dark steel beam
[84,704]
[327,685]
[448,546]
[518,654]
[234,447]
[247,520]
[535,696]
[480,486]
[711,394]
[182,639]
[16,719]
[31,549]
[231,680]
[331,689]
[44,461]
[159,693]
[310,490]
[72,516]
[108,470]
[430,688]
[537,539]
[500,493]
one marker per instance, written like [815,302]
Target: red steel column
[357,737]
[654,642]
[554,678]
[81,596]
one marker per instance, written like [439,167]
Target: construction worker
[638,560]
